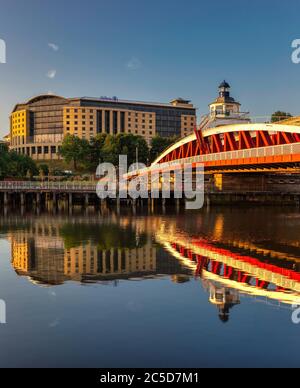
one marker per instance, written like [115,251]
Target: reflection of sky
[150,323]
[147,323]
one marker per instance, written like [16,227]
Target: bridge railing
[51,186]
[286,149]
[260,152]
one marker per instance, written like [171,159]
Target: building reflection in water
[52,251]
[45,254]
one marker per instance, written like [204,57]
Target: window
[115,122]
[107,121]
[122,124]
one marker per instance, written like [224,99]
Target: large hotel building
[38,126]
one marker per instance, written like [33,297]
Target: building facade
[38,126]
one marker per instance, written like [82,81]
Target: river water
[214,288]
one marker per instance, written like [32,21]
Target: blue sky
[151,50]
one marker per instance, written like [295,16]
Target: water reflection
[228,263]
[51,251]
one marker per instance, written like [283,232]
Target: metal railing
[278,150]
[51,186]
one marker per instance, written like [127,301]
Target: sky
[151,51]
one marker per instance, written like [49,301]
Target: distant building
[38,126]
[6,139]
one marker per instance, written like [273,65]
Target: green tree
[44,169]
[75,150]
[279,116]
[96,153]
[14,165]
[160,144]
[125,144]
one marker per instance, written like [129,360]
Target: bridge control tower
[225,109]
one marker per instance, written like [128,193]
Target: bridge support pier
[103,204]
[38,199]
[208,201]
[6,199]
[54,201]
[70,201]
[118,204]
[22,199]
[86,200]
[134,206]
[177,202]
[163,205]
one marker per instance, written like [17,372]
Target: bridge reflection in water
[51,251]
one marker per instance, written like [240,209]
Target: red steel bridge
[238,147]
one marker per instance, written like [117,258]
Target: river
[214,288]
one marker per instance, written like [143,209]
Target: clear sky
[151,50]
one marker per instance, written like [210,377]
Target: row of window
[136,132]
[83,117]
[83,110]
[40,150]
[19,114]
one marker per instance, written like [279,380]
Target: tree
[14,165]
[160,144]
[96,153]
[75,150]
[134,147]
[44,170]
[279,116]
[125,144]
